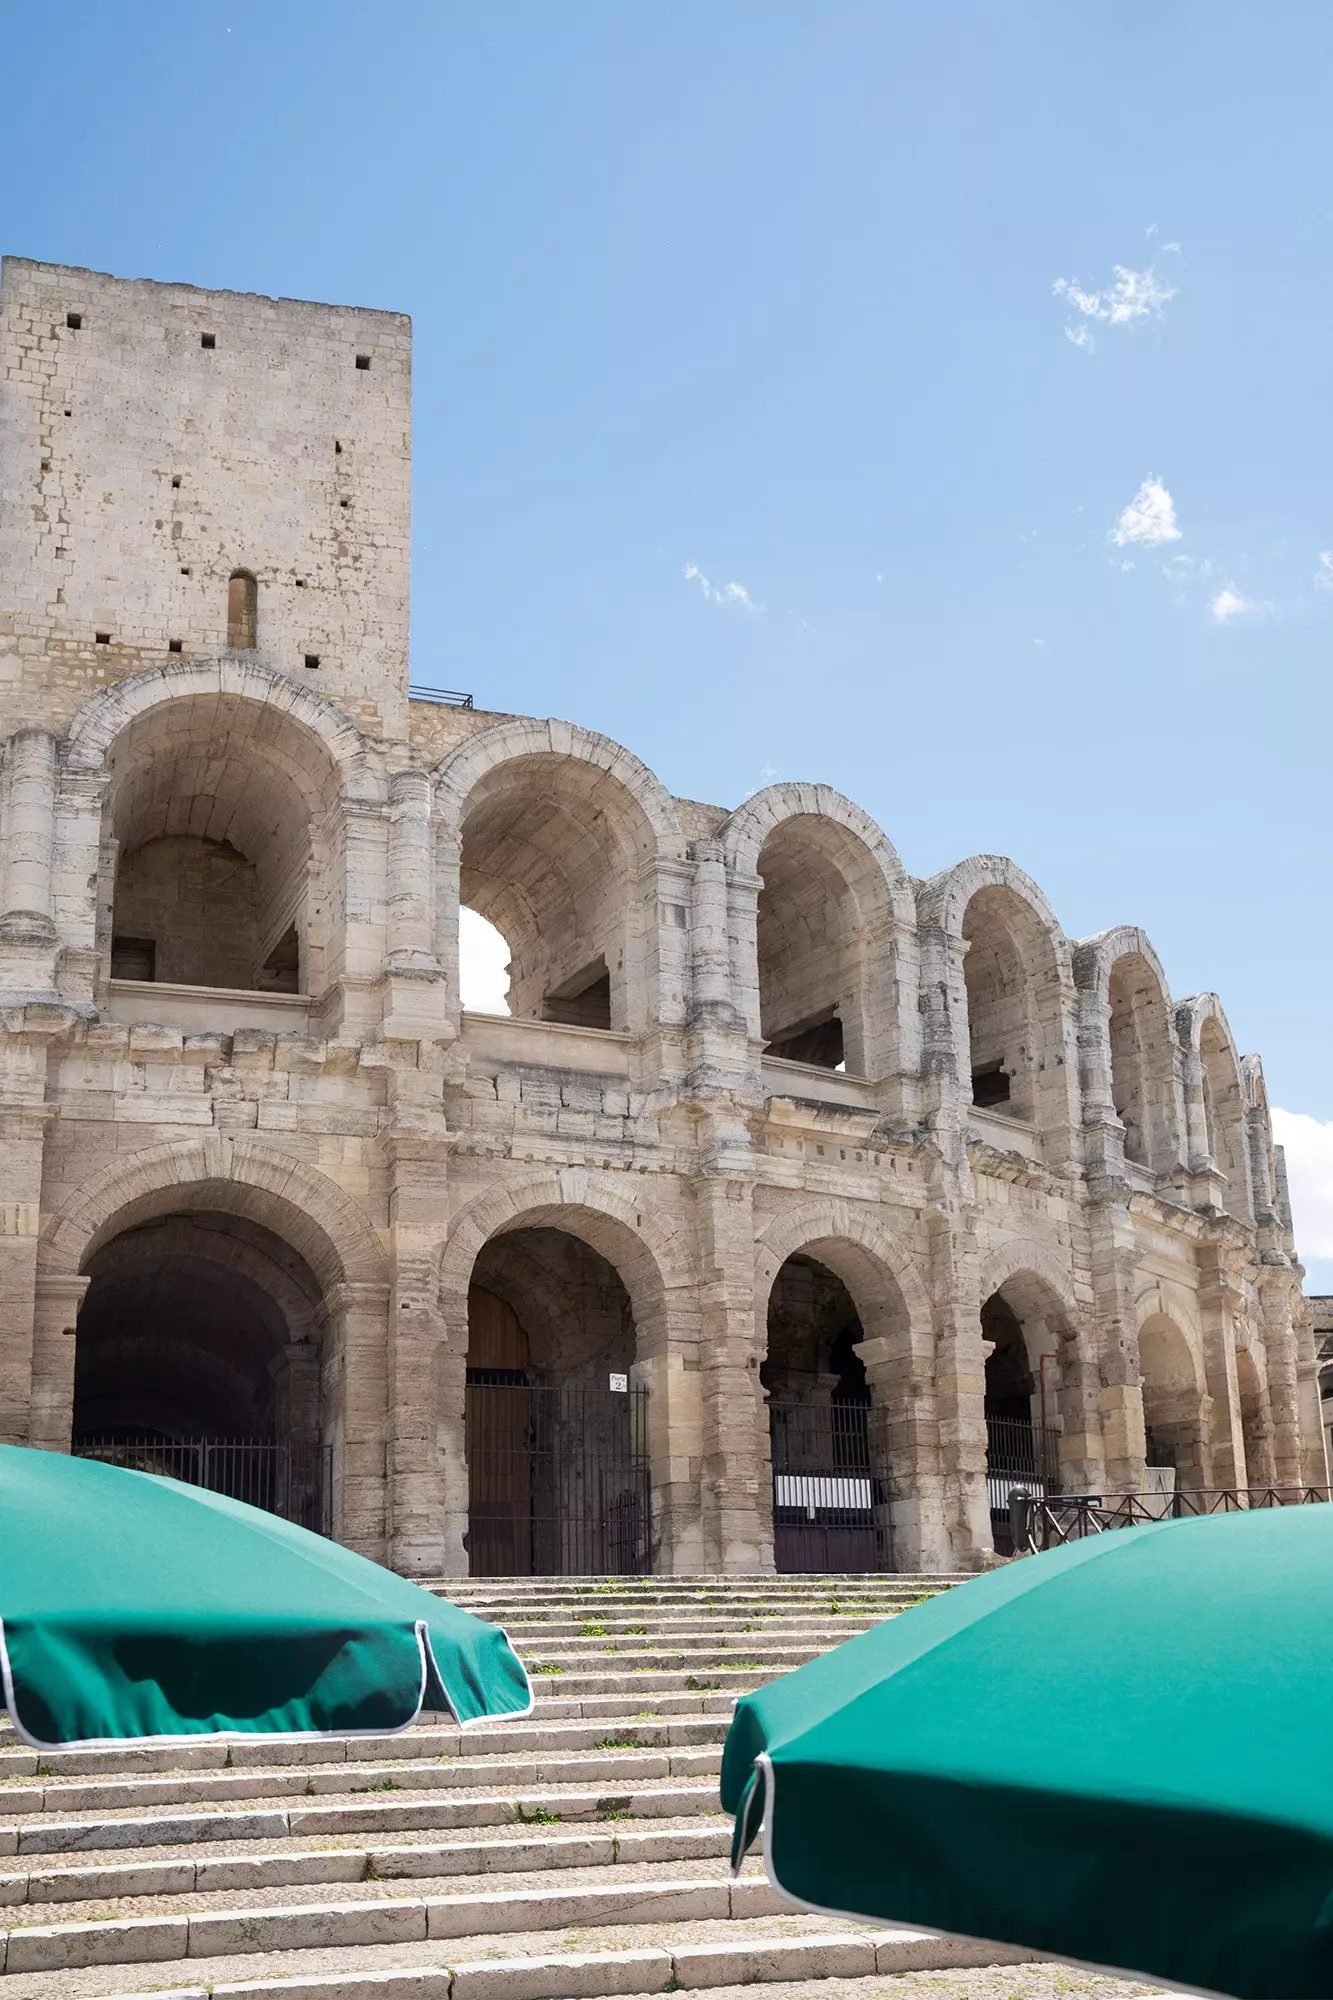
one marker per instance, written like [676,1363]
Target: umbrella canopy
[1120,1752]
[135,1607]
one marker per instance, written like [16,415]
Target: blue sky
[766,292]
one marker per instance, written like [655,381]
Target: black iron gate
[291,1480]
[830,1488]
[557,1480]
[1018,1455]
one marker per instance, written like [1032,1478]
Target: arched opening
[1173,1419]
[215,813]
[1255,1422]
[1142,1071]
[556,1444]
[552,849]
[483,965]
[1013,1003]
[820,910]
[830,1485]
[242,611]
[1028,1345]
[197,1354]
[1224,1111]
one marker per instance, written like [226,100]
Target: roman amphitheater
[794,1213]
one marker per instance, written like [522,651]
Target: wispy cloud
[1323,576]
[721,593]
[1131,298]
[1148,520]
[1229,604]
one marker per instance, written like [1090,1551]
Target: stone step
[625,1795]
[709,1959]
[100,1777]
[392,1920]
[526,1849]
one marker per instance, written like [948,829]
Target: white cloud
[483,965]
[1150,518]
[1230,604]
[1130,298]
[720,593]
[1323,576]
[1308,1145]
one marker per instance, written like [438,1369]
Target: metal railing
[451,697]
[557,1480]
[830,1488]
[1038,1522]
[291,1480]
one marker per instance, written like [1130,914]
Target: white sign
[620,1385]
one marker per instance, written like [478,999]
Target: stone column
[1221,1304]
[418,1209]
[736,1483]
[1112,1459]
[83,883]
[710,943]
[409,873]
[960,1389]
[30,828]
[353,1396]
[1284,1384]
[56,1303]
[945,1060]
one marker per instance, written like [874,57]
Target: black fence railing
[291,1480]
[450,697]
[830,1488]
[557,1480]
[1018,1454]
[1037,1522]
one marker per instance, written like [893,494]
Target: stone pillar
[945,1058]
[409,873]
[710,943]
[418,1209]
[736,1484]
[56,1303]
[83,880]
[353,1396]
[1221,1305]
[960,1389]
[30,828]
[1113,1455]
[1289,1447]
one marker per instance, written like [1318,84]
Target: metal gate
[557,1481]
[1018,1454]
[291,1480]
[830,1488]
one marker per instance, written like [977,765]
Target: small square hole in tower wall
[363,361]
[177,480]
[312,661]
[73,321]
[208,340]
[102,638]
[175,645]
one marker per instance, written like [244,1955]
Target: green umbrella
[1120,1753]
[135,1607]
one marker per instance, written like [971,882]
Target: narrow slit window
[242,610]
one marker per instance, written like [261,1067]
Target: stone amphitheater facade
[768,1121]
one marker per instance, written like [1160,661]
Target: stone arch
[1122,977]
[1009,990]
[1029,1315]
[300,1204]
[110,712]
[226,791]
[887,1431]
[559,838]
[1218,1135]
[1175,1405]
[1256,1420]
[648,1267]
[829,969]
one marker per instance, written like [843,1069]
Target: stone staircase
[579,1852]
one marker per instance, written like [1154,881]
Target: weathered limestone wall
[631,1171]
